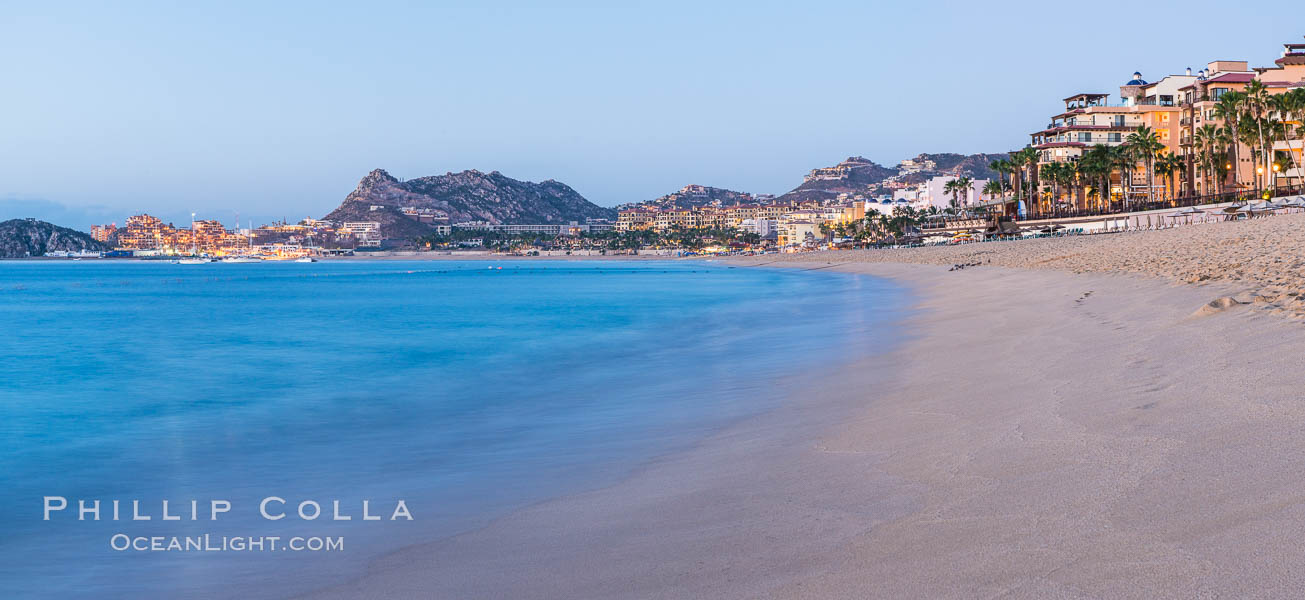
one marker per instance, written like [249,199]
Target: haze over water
[463,388]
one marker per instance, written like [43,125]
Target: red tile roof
[1232,78]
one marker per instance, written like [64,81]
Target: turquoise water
[466,389]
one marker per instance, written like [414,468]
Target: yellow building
[796,232]
[145,232]
[635,220]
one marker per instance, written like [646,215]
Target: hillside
[21,238]
[853,175]
[858,175]
[691,196]
[459,197]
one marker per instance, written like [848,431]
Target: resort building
[1287,74]
[103,233]
[367,233]
[1216,163]
[1090,120]
[635,220]
[798,232]
[933,193]
[145,232]
[1209,164]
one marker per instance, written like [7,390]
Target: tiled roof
[1233,78]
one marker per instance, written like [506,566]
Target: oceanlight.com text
[122,542]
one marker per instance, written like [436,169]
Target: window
[1084,137]
[1218,92]
[1115,137]
[1118,121]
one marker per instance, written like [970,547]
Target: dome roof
[1136,80]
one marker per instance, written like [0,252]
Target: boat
[242,259]
[305,259]
[194,258]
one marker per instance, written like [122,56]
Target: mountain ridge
[469,195]
[859,175]
[22,238]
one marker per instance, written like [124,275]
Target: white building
[368,233]
[934,193]
[761,227]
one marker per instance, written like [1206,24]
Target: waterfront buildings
[1089,120]
[147,234]
[104,233]
[368,233]
[792,223]
[571,229]
[1198,143]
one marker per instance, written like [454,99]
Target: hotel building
[1089,119]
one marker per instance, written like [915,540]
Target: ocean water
[465,389]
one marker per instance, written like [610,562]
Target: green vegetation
[687,239]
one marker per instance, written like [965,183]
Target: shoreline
[766,421]
[1038,433]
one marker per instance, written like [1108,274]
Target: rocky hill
[691,196]
[459,197]
[967,165]
[858,175]
[853,175]
[21,238]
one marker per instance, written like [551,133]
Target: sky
[275,110]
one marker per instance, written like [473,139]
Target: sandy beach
[1071,429]
[1262,260]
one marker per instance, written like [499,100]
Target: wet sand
[1036,434]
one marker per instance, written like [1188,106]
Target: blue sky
[271,111]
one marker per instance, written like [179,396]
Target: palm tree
[1145,145]
[1258,106]
[1121,157]
[963,186]
[1001,166]
[1098,164]
[1051,174]
[1209,139]
[1026,160]
[993,188]
[1168,165]
[949,188]
[1292,105]
[1067,176]
[1229,109]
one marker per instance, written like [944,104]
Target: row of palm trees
[1252,118]
[1022,168]
[956,187]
